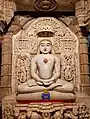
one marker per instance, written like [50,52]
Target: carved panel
[22,68]
[68,67]
[25,45]
[68,54]
[40,111]
[65,45]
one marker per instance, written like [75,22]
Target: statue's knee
[69,87]
[20,88]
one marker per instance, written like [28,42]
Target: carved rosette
[45,5]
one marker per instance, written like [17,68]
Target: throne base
[53,96]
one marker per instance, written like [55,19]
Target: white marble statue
[45,72]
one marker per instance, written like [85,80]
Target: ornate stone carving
[82,12]
[7,8]
[3,25]
[83,112]
[65,44]
[22,68]
[68,67]
[45,5]
[69,57]
[69,20]
[42,67]
[29,45]
[8,112]
[46,111]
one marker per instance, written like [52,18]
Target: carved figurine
[45,72]
[46,115]
[58,115]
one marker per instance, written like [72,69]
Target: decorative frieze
[46,111]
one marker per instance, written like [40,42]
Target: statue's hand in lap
[47,82]
[31,83]
[40,83]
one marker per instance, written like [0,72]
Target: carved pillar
[9,8]
[87,12]
[0,67]
[80,12]
[84,68]
[84,64]
[1,10]
[6,64]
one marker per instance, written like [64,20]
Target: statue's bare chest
[45,61]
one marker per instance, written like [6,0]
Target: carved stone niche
[25,47]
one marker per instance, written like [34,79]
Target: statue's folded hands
[48,83]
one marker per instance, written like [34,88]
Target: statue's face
[45,46]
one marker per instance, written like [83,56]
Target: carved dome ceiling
[45,5]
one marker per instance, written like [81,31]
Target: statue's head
[45,46]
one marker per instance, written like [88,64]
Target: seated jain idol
[45,73]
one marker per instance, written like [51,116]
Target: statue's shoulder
[57,59]
[55,56]
[35,58]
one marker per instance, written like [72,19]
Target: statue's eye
[42,45]
[48,44]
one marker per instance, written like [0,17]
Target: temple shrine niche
[44,50]
[55,31]
[45,72]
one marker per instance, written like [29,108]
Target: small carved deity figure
[46,115]
[45,72]
[35,115]
[22,115]
[75,112]
[16,113]
[83,112]
[21,69]
[67,114]
[8,112]
[58,115]
[29,112]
